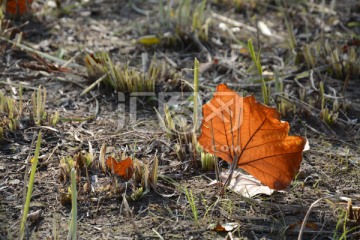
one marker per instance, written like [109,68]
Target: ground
[313,47]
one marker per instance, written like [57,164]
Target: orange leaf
[124,168]
[250,133]
[311,225]
[18,7]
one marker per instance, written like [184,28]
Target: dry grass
[126,79]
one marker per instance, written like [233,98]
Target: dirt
[329,170]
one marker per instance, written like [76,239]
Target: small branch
[88,89]
[307,216]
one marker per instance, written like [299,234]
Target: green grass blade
[20,101]
[30,187]
[252,51]
[38,106]
[73,222]
[196,91]
[256,59]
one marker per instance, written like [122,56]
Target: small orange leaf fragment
[310,225]
[18,7]
[241,129]
[225,227]
[124,168]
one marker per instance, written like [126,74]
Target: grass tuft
[184,20]
[123,78]
[343,62]
[12,112]
[190,198]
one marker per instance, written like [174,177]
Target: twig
[18,85]
[70,60]
[130,215]
[42,54]
[69,81]
[312,84]
[48,161]
[197,41]
[307,216]
[94,84]
[169,60]
[158,234]
[139,10]
[233,22]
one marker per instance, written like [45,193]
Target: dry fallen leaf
[309,226]
[241,129]
[34,216]
[18,7]
[225,227]
[123,168]
[246,185]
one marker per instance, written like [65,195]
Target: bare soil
[330,169]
